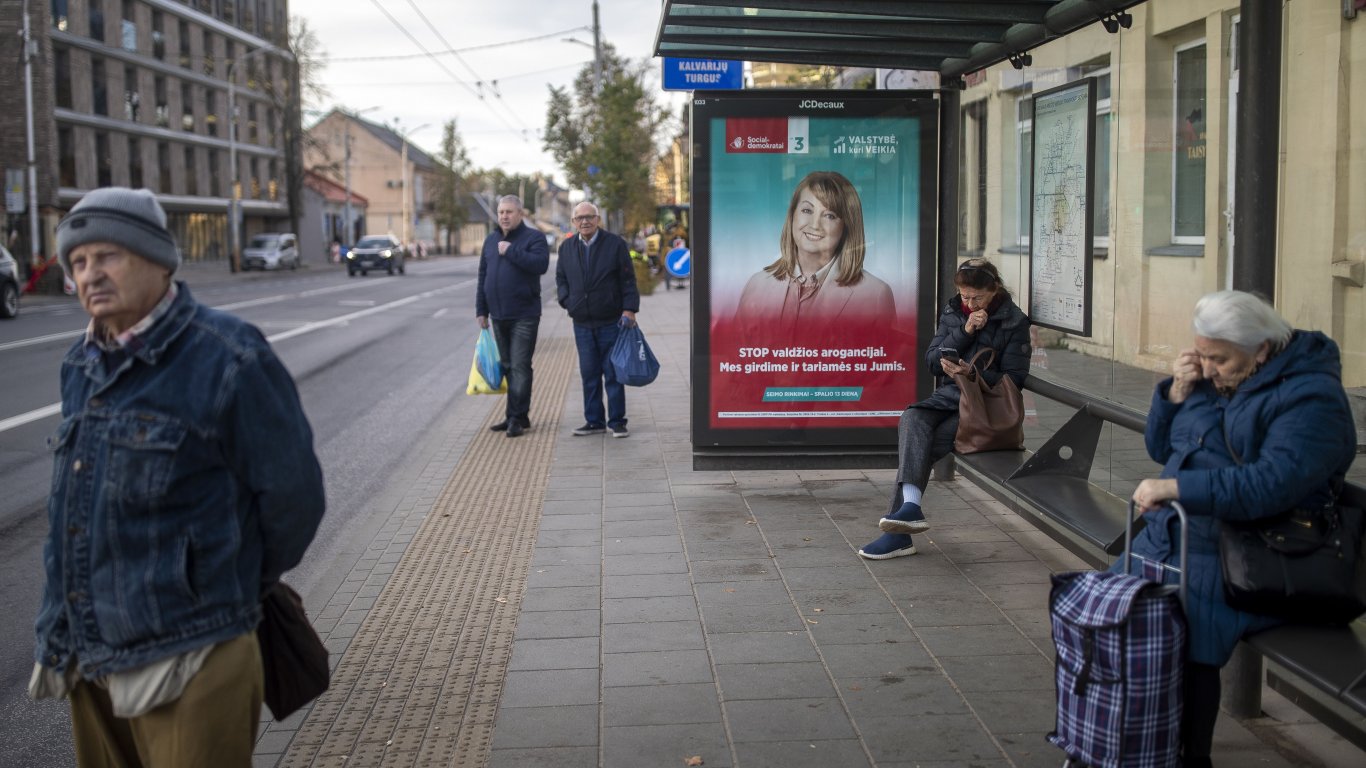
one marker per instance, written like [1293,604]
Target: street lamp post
[405,198]
[35,249]
[235,204]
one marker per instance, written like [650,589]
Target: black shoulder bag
[293,657]
[1303,565]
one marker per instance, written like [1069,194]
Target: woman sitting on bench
[1254,421]
[982,316]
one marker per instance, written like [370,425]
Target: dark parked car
[375,252]
[9,284]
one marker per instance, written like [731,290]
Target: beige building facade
[1165,173]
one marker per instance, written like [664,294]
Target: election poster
[814,219]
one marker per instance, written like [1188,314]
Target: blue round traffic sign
[678,262]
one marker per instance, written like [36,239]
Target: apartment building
[137,93]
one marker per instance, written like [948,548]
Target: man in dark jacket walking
[508,298]
[596,282]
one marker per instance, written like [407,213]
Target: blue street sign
[703,75]
[678,262]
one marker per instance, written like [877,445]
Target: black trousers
[924,436]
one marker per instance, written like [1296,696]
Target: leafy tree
[309,60]
[452,185]
[605,137]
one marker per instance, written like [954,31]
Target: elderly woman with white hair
[1253,422]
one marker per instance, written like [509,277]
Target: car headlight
[386,253]
[350,254]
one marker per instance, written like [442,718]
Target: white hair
[596,211]
[514,199]
[1243,319]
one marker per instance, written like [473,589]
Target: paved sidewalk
[666,617]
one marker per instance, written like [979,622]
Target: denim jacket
[184,483]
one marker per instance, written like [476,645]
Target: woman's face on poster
[815,228]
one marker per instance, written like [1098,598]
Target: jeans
[516,344]
[595,347]
[924,436]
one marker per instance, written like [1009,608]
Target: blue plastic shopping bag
[486,371]
[635,364]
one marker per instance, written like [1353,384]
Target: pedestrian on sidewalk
[595,281]
[508,299]
[982,316]
[1254,421]
[185,484]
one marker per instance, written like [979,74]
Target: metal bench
[1321,669]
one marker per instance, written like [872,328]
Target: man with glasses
[508,299]
[595,281]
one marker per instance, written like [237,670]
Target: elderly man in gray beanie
[185,484]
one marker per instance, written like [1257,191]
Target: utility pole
[597,51]
[35,249]
[346,225]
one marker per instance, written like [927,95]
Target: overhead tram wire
[444,68]
[455,51]
[493,85]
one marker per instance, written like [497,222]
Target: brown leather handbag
[989,418]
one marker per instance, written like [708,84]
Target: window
[191,172]
[253,135]
[129,27]
[972,182]
[103,167]
[1024,172]
[163,167]
[1188,156]
[59,14]
[131,99]
[272,186]
[99,88]
[186,107]
[66,157]
[209,60]
[135,162]
[249,15]
[1101,218]
[61,64]
[215,174]
[97,20]
[163,112]
[184,35]
[159,35]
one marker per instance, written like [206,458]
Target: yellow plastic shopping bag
[486,366]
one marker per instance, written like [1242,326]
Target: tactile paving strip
[419,683]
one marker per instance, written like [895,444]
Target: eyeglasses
[583,219]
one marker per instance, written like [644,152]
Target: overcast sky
[504,128]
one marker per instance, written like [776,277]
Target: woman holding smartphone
[981,316]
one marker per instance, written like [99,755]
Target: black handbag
[293,657]
[1303,565]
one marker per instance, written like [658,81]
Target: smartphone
[949,353]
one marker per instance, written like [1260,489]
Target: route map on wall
[1060,220]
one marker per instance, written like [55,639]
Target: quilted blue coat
[1291,426]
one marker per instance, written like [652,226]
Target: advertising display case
[813,259]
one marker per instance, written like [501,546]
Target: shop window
[66,157]
[61,64]
[135,162]
[131,99]
[104,176]
[972,182]
[99,88]
[59,8]
[1188,158]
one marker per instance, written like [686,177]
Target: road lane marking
[40,339]
[439,314]
[56,408]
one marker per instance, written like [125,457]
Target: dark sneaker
[621,431]
[501,426]
[887,546]
[515,429]
[590,429]
[908,519]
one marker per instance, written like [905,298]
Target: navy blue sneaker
[908,519]
[887,546]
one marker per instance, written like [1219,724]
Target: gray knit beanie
[131,218]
